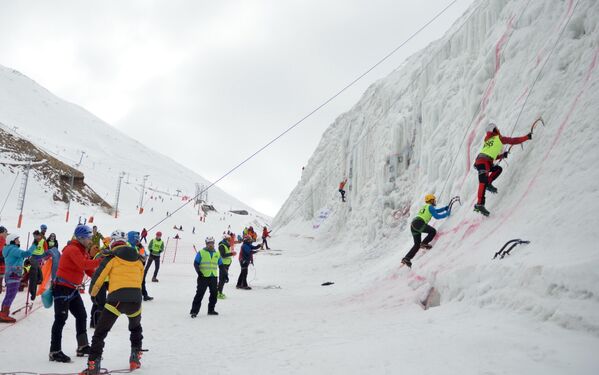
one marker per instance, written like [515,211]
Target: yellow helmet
[430,198]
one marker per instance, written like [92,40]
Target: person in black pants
[74,263]
[98,306]
[68,299]
[206,264]
[156,247]
[420,225]
[227,255]
[246,258]
[124,268]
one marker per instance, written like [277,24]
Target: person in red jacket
[74,264]
[144,234]
[341,189]
[487,171]
[265,235]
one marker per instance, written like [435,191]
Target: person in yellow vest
[123,266]
[156,247]
[227,254]
[420,225]
[206,264]
[37,260]
[487,171]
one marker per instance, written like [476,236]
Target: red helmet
[158,234]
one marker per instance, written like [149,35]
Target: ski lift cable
[354,81]
[10,191]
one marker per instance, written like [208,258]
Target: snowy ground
[304,327]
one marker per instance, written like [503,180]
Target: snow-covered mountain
[418,131]
[61,131]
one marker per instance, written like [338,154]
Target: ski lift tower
[22,192]
[141,198]
[118,194]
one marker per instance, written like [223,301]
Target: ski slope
[65,130]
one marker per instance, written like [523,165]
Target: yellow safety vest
[492,147]
[425,213]
[209,263]
[39,250]
[227,260]
[156,245]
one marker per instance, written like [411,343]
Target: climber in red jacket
[487,171]
[341,189]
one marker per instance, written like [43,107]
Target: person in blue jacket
[420,225]
[13,258]
[246,256]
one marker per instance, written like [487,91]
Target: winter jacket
[439,213]
[14,257]
[342,184]
[74,263]
[247,252]
[265,233]
[124,268]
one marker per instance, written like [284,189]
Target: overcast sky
[209,82]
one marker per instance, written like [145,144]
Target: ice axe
[502,252]
[453,200]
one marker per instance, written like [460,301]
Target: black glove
[94,300]
[504,155]
[529,135]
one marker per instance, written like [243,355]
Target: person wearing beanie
[74,264]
